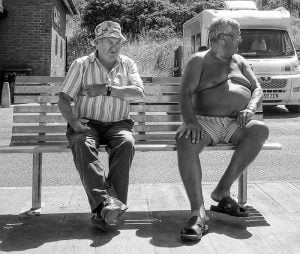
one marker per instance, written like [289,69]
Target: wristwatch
[109,88]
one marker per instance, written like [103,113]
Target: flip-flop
[194,229]
[231,207]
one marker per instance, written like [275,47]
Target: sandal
[230,207]
[194,229]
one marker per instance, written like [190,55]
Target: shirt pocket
[122,79]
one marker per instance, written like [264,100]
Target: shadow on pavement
[20,233]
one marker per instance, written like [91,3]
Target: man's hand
[244,117]
[95,90]
[79,125]
[193,130]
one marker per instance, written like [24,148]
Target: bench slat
[133,108]
[39,129]
[38,119]
[59,119]
[54,88]
[62,128]
[154,108]
[46,79]
[35,99]
[164,80]
[161,89]
[160,99]
[31,138]
[54,99]
[37,108]
[48,89]
[62,137]
[37,79]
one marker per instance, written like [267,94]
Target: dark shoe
[231,207]
[194,229]
[112,209]
[99,222]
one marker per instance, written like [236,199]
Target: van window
[193,44]
[265,43]
[198,41]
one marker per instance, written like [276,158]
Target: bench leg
[242,192]
[36,183]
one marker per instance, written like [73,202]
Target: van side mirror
[202,48]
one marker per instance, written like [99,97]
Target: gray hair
[221,25]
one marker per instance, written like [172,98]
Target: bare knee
[258,130]
[186,149]
[182,145]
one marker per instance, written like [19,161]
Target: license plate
[271,96]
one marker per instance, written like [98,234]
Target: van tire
[293,108]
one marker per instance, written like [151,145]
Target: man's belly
[226,99]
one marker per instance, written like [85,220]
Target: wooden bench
[38,126]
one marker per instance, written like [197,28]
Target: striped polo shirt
[88,70]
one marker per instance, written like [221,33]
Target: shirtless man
[219,96]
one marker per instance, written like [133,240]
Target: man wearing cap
[101,86]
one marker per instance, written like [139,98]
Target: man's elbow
[63,100]
[136,95]
[139,93]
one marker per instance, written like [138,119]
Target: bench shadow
[20,233]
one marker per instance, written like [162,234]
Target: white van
[266,45]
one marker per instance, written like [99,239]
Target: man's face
[109,49]
[231,41]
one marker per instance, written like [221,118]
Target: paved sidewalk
[152,224]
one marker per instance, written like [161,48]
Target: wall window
[56,16]
[56,44]
[61,48]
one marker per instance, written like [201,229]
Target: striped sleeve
[72,82]
[134,75]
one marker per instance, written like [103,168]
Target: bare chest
[215,73]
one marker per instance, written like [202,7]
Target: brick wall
[25,35]
[28,37]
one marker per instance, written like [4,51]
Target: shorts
[220,129]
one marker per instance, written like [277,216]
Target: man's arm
[256,90]
[133,91]
[68,93]
[64,105]
[190,83]
[256,95]
[129,93]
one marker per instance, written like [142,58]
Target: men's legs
[250,141]
[121,152]
[85,155]
[191,172]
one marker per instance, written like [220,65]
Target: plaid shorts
[220,129]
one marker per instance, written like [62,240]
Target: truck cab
[265,44]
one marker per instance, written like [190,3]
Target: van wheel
[293,108]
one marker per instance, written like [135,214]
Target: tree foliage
[155,17]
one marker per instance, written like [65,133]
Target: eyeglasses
[111,43]
[239,38]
